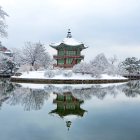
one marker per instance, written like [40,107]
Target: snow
[8,52]
[67,118]
[105,76]
[32,86]
[56,44]
[60,75]
[68,41]
[71,41]
[71,117]
[66,86]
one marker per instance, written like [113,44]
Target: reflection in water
[107,119]
[34,98]
[6,88]
[132,88]
[31,99]
[14,94]
[67,105]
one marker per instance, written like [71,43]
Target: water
[69,112]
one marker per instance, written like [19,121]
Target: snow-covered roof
[4,50]
[8,52]
[68,41]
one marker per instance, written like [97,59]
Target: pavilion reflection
[68,107]
[68,98]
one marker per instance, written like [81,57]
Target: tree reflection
[14,94]
[34,99]
[132,88]
[6,87]
[30,99]
[86,93]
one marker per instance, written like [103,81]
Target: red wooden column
[65,58]
[76,55]
[57,55]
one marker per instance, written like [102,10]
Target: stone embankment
[70,81]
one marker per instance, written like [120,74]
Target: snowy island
[70,68]
[65,77]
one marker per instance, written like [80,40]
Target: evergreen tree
[7,65]
[131,65]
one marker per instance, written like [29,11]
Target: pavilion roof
[68,41]
[62,113]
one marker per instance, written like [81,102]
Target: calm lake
[69,112]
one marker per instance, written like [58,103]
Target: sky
[111,27]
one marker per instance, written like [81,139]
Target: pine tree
[131,65]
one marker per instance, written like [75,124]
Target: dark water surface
[69,112]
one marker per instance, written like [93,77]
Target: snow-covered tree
[17,55]
[120,69]
[113,59]
[83,68]
[111,70]
[49,73]
[7,65]
[100,63]
[46,61]
[35,55]
[131,65]
[3,25]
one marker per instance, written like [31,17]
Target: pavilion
[68,52]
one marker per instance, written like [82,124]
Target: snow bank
[62,75]
[66,86]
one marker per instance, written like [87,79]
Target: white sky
[108,26]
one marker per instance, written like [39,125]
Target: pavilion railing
[68,56]
[63,65]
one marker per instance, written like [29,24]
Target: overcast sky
[111,27]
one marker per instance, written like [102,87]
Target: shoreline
[67,81]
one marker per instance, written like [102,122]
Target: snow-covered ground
[62,75]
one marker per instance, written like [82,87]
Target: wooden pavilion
[68,52]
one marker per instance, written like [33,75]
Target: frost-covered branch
[99,65]
[3,25]
[35,55]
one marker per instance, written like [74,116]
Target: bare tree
[3,25]
[35,55]
[113,59]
